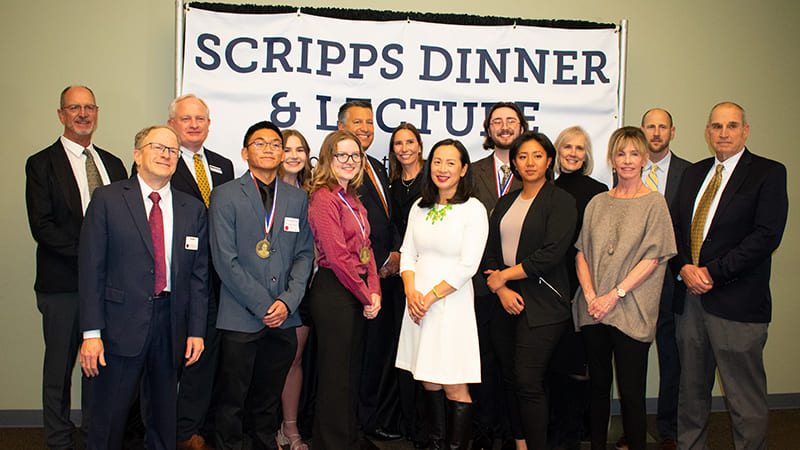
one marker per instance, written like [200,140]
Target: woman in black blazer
[530,231]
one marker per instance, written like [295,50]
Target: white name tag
[215,169]
[291,224]
[191,243]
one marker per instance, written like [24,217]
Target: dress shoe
[482,442]
[196,442]
[379,434]
[366,444]
[622,443]
[668,444]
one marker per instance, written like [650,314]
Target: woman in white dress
[441,251]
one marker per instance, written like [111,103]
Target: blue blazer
[117,270]
[250,284]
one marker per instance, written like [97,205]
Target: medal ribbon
[268,218]
[360,223]
[501,190]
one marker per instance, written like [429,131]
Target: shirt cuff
[91,334]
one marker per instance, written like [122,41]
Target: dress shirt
[727,169]
[166,212]
[188,159]
[77,160]
[661,172]
[339,240]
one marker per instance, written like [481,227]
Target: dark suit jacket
[55,214]
[250,284]
[673,291]
[485,178]
[746,228]
[546,235]
[383,235]
[117,270]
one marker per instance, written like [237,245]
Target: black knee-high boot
[437,418]
[460,425]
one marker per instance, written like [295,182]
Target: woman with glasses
[345,289]
[441,251]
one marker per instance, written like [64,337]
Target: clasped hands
[512,302]
[371,311]
[419,304]
[698,280]
[600,306]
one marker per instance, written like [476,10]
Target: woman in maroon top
[345,289]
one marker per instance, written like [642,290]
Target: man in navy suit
[729,217]
[264,250]
[59,183]
[144,289]
[663,174]
[199,171]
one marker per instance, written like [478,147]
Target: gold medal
[363,255]
[262,249]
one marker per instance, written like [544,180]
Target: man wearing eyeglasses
[143,285]
[264,250]
[59,184]
[493,178]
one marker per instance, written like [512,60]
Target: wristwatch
[621,292]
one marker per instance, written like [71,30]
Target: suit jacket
[746,228]
[545,237]
[117,270]
[383,234]
[486,182]
[250,284]
[673,291]
[55,214]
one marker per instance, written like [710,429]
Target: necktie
[700,214]
[202,180]
[377,187]
[506,173]
[92,174]
[156,221]
[652,178]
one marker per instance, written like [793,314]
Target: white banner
[296,70]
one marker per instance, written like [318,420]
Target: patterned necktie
[202,180]
[92,174]
[156,221]
[700,214]
[506,173]
[652,178]
[371,174]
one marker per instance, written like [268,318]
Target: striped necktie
[652,178]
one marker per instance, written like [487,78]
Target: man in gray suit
[263,252]
[663,174]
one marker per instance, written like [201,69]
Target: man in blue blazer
[730,215]
[144,289]
[263,251]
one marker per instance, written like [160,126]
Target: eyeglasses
[161,148]
[499,122]
[75,109]
[260,144]
[344,157]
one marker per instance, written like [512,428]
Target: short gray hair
[173,105]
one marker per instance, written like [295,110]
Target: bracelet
[433,289]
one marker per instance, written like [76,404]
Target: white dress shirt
[77,160]
[188,159]
[662,169]
[727,170]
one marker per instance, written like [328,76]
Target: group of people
[449,301]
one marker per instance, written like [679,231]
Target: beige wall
[683,55]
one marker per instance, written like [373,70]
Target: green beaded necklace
[435,215]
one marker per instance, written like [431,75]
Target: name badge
[291,224]
[191,243]
[215,169]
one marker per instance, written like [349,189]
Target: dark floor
[784,429]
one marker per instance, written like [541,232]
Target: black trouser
[339,322]
[630,356]
[254,363]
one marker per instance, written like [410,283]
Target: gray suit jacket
[251,284]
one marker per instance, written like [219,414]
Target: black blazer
[55,214]
[673,291]
[747,227]
[546,235]
[383,234]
